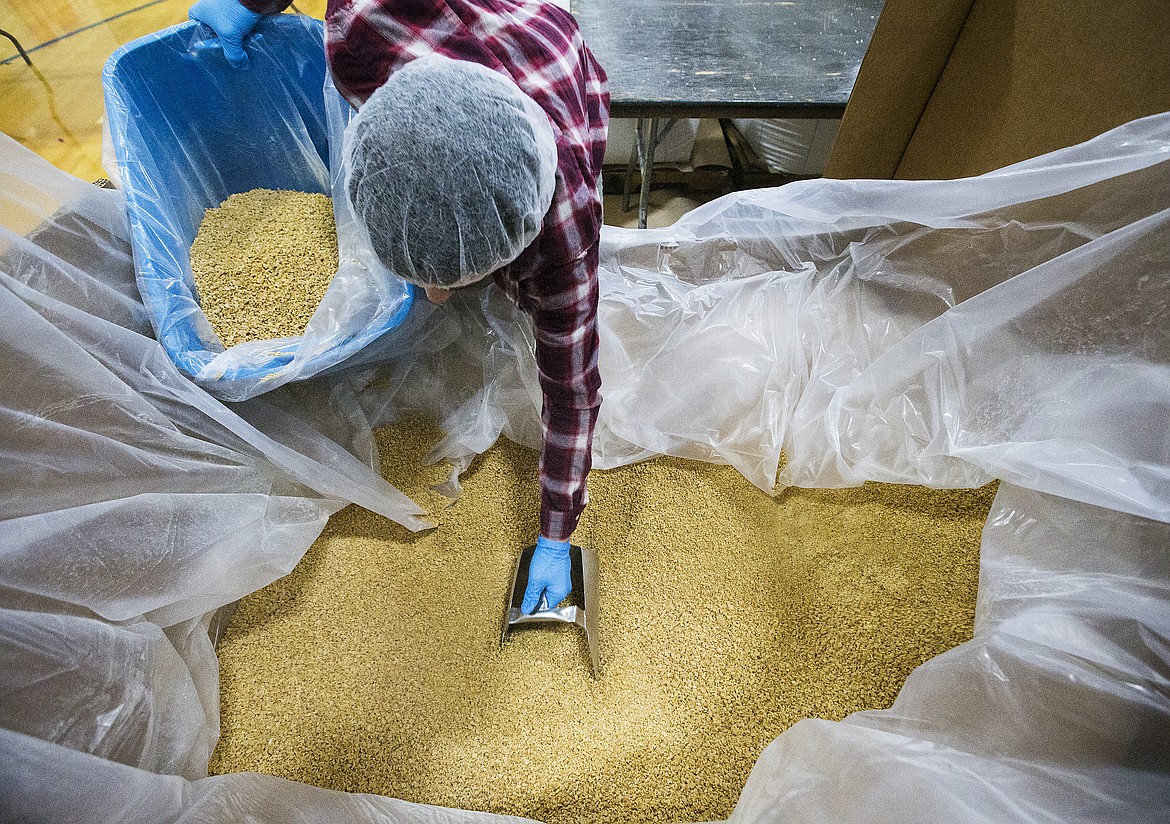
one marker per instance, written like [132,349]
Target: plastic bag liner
[187,130]
[1013,325]
[133,504]
[733,335]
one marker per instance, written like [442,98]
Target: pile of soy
[262,261]
[726,616]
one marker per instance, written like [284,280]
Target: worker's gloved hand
[231,23]
[548,572]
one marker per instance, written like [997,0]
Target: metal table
[669,59]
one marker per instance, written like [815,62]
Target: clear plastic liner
[121,691]
[88,789]
[134,505]
[1013,381]
[939,332]
[726,336]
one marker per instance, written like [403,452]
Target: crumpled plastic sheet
[1011,326]
[769,321]
[134,505]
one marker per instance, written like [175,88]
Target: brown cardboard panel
[1030,76]
[906,57]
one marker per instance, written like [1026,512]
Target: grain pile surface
[262,261]
[726,616]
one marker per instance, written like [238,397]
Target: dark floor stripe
[82,29]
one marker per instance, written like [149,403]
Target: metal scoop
[582,612]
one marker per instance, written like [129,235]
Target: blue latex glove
[548,572]
[231,23]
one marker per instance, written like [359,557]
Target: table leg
[642,158]
[733,153]
[646,156]
[635,152]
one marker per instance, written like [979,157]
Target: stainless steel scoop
[582,612]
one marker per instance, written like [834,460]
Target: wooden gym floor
[54,106]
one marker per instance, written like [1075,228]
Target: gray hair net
[451,169]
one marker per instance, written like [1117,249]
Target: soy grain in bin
[188,130]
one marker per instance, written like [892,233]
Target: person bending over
[476,152]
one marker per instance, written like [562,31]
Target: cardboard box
[961,87]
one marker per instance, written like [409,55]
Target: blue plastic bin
[188,130]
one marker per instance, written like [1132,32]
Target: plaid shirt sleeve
[555,281]
[539,46]
[562,301]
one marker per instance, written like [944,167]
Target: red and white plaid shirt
[554,280]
